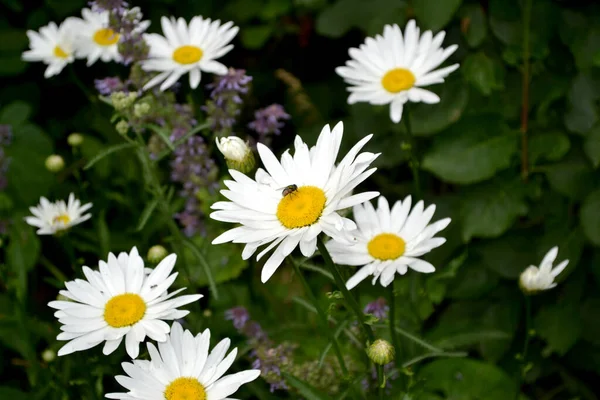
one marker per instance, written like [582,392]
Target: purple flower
[108,5]
[268,121]
[5,134]
[109,85]
[239,316]
[378,308]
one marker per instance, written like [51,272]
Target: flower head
[183,368]
[378,308]
[295,199]
[392,68]
[269,120]
[95,39]
[381,352]
[109,85]
[53,45]
[535,279]
[389,241]
[121,300]
[51,218]
[187,49]
[237,153]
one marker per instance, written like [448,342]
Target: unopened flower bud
[207,313]
[381,352]
[48,355]
[157,253]
[122,127]
[122,100]
[54,163]
[238,155]
[75,139]
[141,109]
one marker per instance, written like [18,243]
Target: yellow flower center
[302,207]
[185,389]
[187,54]
[397,80]
[60,53]
[106,37]
[124,310]
[63,219]
[386,246]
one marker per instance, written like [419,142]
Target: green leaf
[490,209]
[590,217]
[501,316]
[472,150]
[592,146]
[255,37]
[22,253]
[7,392]
[274,9]
[483,72]
[434,14]
[460,378]
[103,234]
[582,112]
[307,391]
[571,177]
[590,309]
[472,281]
[560,326]
[163,134]
[16,113]
[208,276]
[90,147]
[508,255]
[475,23]
[108,151]
[549,146]
[148,210]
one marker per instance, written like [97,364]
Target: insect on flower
[288,190]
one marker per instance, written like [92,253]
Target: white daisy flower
[535,279]
[182,368]
[95,40]
[118,301]
[51,218]
[392,69]
[294,200]
[389,241]
[184,49]
[53,45]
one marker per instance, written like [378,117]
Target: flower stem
[392,319]
[413,162]
[323,318]
[381,381]
[525,91]
[525,345]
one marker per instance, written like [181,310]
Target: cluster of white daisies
[288,204]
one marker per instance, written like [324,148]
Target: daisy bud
[141,109]
[237,153]
[54,163]
[536,279]
[157,253]
[48,355]
[122,127]
[381,352]
[75,139]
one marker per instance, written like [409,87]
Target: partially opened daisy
[183,368]
[295,199]
[535,279]
[187,49]
[118,301]
[389,241]
[394,68]
[51,218]
[53,45]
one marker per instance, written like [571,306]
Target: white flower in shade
[51,218]
[389,241]
[53,45]
[183,368]
[120,300]
[394,68]
[187,49]
[535,279]
[294,200]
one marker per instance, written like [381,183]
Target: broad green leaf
[90,148]
[108,151]
[571,177]
[474,25]
[22,253]
[307,391]
[502,316]
[548,146]
[582,113]
[459,378]
[433,14]
[508,255]
[489,210]
[472,150]
[255,37]
[592,146]
[580,32]
[16,113]
[274,9]
[590,217]
[560,326]
[472,281]
[483,72]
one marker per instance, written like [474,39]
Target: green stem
[323,318]
[381,381]
[414,161]
[525,345]
[392,319]
[525,91]
[81,86]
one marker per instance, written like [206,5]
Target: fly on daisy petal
[183,368]
[121,300]
[51,218]
[394,67]
[389,241]
[187,49]
[295,199]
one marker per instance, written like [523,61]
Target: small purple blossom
[378,308]
[108,5]
[268,121]
[109,85]
[239,316]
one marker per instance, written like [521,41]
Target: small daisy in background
[53,45]
[95,39]
[295,199]
[187,49]
[183,368]
[535,279]
[389,241]
[393,68]
[120,300]
[52,218]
